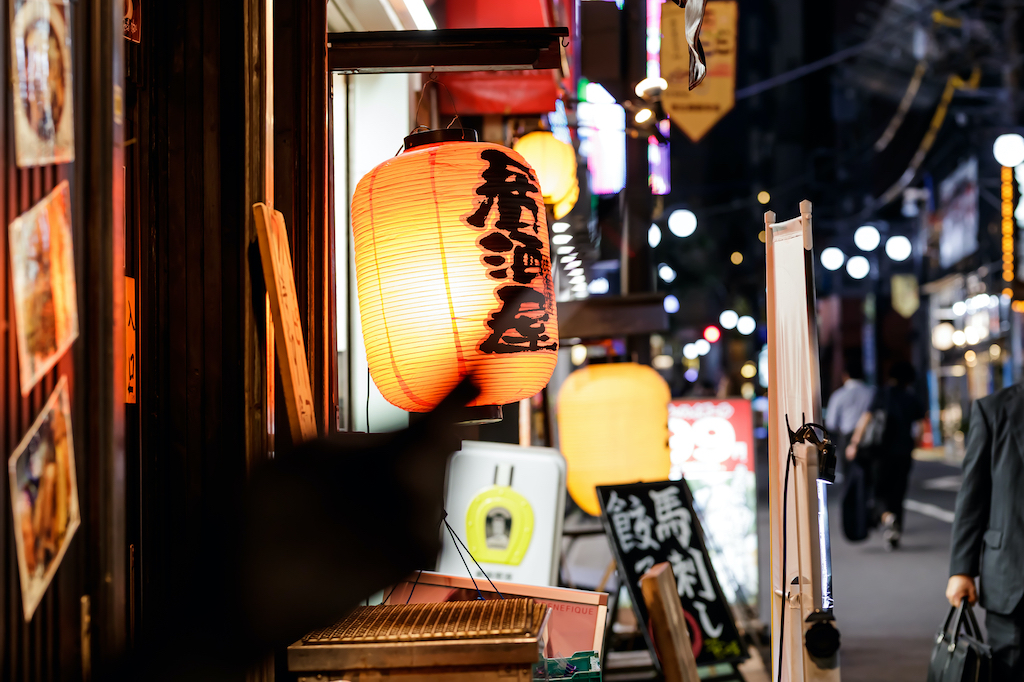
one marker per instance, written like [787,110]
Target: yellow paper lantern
[613,428]
[453,271]
[563,206]
[554,161]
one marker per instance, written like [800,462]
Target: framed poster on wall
[44,120]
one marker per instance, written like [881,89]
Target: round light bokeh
[702,346]
[942,336]
[867,238]
[858,267]
[662,362]
[728,319]
[960,308]
[746,325]
[671,304]
[690,375]
[682,223]
[598,286]
[653,235]
[832,258]
[666,273]
[1009,150]
[578,354]
[898,248]
[690,352]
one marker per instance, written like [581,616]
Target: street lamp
[832,258]
[858,267]
[1009,150]
[867,238]
[682,223]
[898,248]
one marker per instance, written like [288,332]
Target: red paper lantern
[453,271]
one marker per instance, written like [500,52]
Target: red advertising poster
[712,443]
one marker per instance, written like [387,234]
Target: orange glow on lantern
[453,271]
[613,428]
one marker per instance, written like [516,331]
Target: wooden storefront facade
[219,106]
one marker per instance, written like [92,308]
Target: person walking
[988,536]
[902,411]
[845,407]
[847,403]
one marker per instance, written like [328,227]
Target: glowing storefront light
[602,132]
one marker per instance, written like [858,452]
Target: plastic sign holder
[804,638]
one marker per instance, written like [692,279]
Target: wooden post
[669,624]
[291,349]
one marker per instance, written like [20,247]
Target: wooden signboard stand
[291,348]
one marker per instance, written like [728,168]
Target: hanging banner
[712,443]
[648,523]
[697,111]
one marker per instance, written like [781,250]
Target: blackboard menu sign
[651,523]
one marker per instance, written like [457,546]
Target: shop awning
[508,92]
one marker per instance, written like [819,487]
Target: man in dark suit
[988,533]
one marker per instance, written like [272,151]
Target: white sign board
[506,503]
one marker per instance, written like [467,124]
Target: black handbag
[960,656]
[856,508]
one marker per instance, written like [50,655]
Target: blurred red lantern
[712,333]
[453,271]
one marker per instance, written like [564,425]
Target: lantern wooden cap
[437,136]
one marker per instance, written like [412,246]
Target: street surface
[889,605]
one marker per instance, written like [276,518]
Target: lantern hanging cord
[418,573]
[458,541]
[423,92]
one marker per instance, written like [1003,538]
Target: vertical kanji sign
[130,326]
[648,523]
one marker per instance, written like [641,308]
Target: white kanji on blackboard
[673,518]
[633,527]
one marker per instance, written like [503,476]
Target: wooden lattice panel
[441,621]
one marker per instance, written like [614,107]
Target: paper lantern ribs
[453,271]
